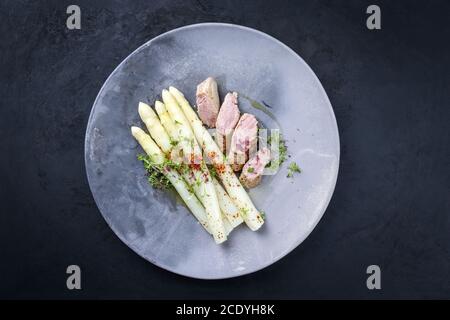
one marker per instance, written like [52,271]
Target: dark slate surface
[390,92]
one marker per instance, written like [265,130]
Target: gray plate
[155,224]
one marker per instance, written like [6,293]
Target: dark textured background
[390,92]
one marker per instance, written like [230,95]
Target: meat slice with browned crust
[208,102]
[226,121]
[243,141]
[253,169]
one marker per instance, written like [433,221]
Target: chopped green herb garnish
[177,122]
[282,149]
[283,152]
[154,174]
[250,169]
[212,171]
[293,168]
[263,215]
[198,182]
[173,142]
[190,188]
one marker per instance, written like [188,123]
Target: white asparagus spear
[187,141]
[171,129]
[251,216]
[199,169]
[155,128]
[156,155]
[225,202]
[149,146]
[226,205]
[162,139]
[166,120]
[226,225]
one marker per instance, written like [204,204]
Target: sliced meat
[208,102]
[243,141]
[226,121]
[253,169]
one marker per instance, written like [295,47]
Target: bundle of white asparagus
[176,132]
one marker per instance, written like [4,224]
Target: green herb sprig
[282,149]
[293,168]
[155,175]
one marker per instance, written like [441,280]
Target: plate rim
[322,89]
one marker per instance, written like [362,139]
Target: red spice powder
[195,166]
[220,168]
[212,155]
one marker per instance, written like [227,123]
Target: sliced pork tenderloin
[253,169]
[243,141]
[208,101]
[226,121]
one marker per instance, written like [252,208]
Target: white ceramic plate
[154,223]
